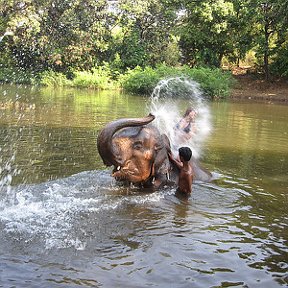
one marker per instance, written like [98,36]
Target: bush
[99,78]
[214,82]
[16,76]
[139,81]
[54,79]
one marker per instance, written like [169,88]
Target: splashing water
[7,33]
[169,100]
[8,170]
[66,212]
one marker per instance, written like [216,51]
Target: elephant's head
[136,150]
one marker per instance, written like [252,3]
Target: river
[64,222]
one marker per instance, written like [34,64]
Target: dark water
[65,223]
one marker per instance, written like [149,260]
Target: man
[186,171]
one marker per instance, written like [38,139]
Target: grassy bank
[214,82]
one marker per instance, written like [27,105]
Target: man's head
[185,153]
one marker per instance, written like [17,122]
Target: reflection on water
[64,221]
[61,126]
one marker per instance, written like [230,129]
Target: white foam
[54,212]
[48,213]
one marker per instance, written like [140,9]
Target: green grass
[98,78]
[53,79]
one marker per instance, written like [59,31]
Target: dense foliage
[80,35]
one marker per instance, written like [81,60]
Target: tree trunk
[266,56]
[266,50]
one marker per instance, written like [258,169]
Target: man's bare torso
[185,180]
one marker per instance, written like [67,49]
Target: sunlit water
[64,222]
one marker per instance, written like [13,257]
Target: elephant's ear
[166,142]
[161,162]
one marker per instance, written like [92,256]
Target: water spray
[169,100]
[7,33]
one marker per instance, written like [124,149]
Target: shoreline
[247,88]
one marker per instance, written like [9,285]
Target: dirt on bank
[250,87]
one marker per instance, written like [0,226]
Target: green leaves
[65,35]
[55,27]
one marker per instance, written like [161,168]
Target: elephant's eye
[138,145]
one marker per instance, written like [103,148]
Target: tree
[80,34]
[57,33]
[205,35]
[271,19]
[146,27]
[242,31]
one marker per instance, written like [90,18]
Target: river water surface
[64,222]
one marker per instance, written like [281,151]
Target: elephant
[139,153]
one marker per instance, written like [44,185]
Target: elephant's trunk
[104,141]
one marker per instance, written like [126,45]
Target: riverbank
[214,82]
[249,87]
